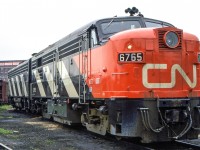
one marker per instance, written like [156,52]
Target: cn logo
[175,68]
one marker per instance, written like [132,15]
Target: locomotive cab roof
[106,27]
[110,26]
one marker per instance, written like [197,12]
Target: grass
[6,117]
[5,107]
[2,109]
[13,136]
[5,132]
[49,142]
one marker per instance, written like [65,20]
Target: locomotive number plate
[130,57]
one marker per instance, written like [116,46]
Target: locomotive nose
[155,57]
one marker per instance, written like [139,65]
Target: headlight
[130,46]
[171,39]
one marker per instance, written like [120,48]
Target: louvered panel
[162,45]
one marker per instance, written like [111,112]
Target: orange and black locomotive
[126,76]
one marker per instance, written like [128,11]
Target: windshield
[118,26]
[112,26]
[155,24]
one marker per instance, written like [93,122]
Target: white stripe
[69,86]
[13,84]
[10,89]
[18,86]
[39,83]
[50,80]
[24,85]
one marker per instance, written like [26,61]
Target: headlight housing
[171,39]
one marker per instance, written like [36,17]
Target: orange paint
[113,79]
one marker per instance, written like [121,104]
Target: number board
[130,57]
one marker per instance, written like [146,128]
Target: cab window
[156,24]
[153,24]
[93,38]
[118,26]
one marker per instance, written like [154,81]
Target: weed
[5,132]
[49,142]
[5,107]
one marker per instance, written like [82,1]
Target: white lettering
[175,67]
[121,57]
[128,55]
[139,56]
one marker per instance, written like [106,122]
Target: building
[5,66]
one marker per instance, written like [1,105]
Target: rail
[188,144]
[4,147]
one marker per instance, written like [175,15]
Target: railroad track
[188,144]
[4,147]
[174,145]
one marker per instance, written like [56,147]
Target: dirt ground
[34,133]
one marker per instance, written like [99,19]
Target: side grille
[162,45]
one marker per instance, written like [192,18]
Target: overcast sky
[28,26]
